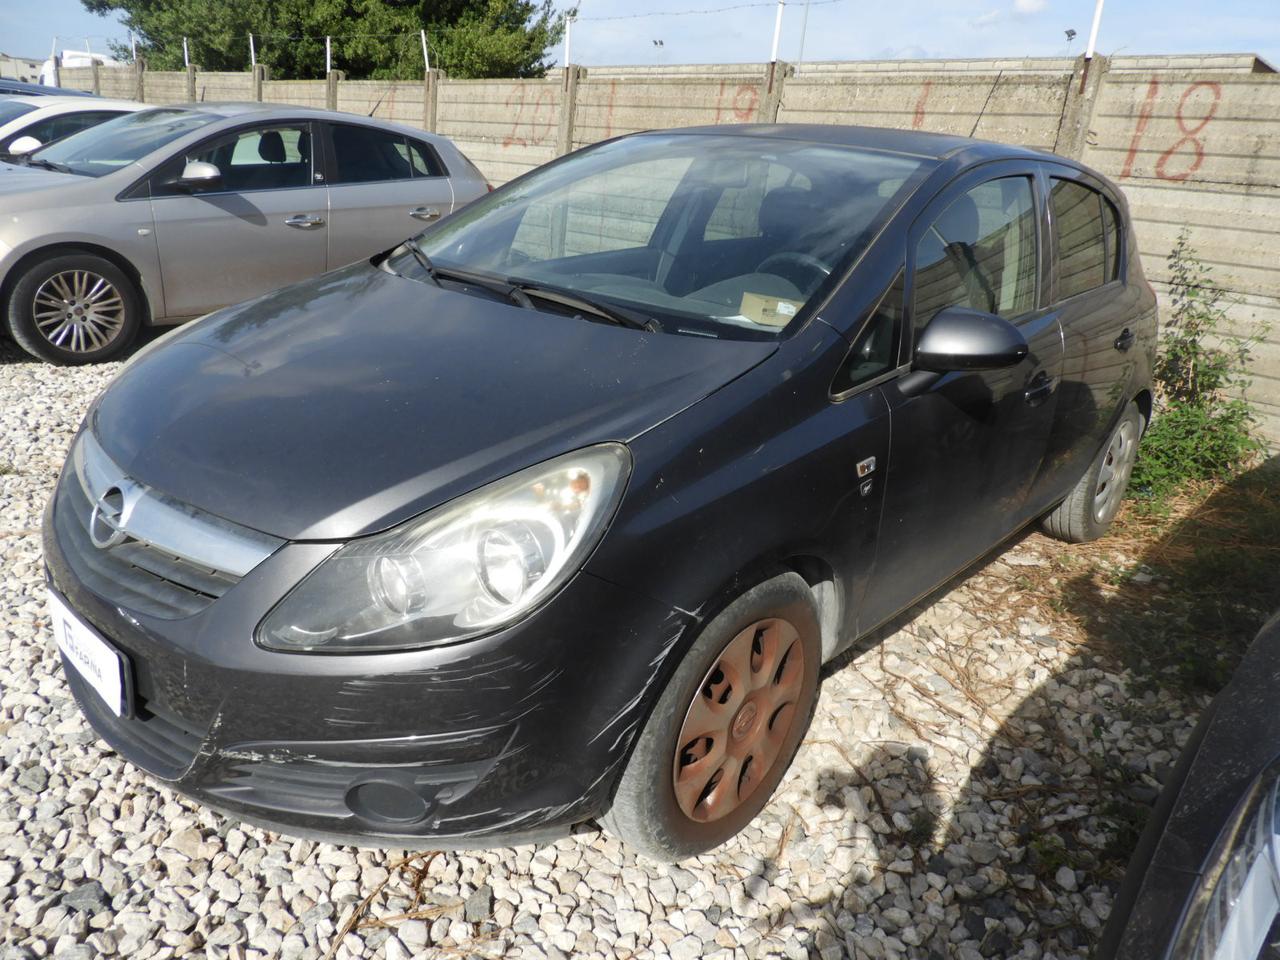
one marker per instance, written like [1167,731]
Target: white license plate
[94,659]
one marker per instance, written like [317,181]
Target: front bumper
[511,737]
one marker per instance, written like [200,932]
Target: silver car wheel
[78,311]
[1113,478]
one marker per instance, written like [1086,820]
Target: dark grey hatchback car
[553,513]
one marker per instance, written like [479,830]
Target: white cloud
[1029,6]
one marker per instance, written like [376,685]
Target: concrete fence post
[332,80]
[568,106]
[139,82]
[775,77]
[1085,85]
[191,83]
[57,70]
[258,77]
[96,83]
[430,98]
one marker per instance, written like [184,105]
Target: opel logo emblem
[105,528]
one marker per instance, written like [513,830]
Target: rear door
[1097,311]
[967,448]
[262,228]
[384,187]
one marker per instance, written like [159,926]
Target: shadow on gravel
[1062,776]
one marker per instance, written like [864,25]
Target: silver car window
[115,144]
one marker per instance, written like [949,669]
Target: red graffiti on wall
[1191,130]
[741,105]
[917,121]
[536,128]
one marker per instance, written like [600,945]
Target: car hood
[345,404]
[16,178]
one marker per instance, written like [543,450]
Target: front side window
[711,235]
[980,253]
[260,158]
[1081,234]
[115,144]
[63,125]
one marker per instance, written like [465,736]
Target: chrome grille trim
[169,525]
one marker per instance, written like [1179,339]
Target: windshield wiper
[43,164]
[423,260]
[576,301]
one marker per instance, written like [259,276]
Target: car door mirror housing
[23,146]
[958,338]
[198,175]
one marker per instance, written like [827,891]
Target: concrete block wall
[1202,151]
[506,127]
[1192,140]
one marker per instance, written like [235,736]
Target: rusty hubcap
[739,720]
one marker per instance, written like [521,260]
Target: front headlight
[1236,908]
[472,566]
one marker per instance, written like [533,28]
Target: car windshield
[12,109]
[710,235]
[117,143]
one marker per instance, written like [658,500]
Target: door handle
[425,213]
[1126,340]
[1040,390]
[304,221]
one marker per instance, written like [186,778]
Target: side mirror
[958,338]
[23,146]
[198,175]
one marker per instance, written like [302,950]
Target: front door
[263,227]
[383,188]
[966,449]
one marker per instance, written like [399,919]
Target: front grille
[133,575]
[155,739]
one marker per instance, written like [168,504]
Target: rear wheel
[74,309]
[1095,500]
[727,726]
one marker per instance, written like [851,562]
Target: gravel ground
[967,790]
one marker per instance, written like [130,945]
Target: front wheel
[726,728]
[74,309]
[1095,500]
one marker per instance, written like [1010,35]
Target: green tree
[375,39]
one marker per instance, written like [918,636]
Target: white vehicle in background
[27,123]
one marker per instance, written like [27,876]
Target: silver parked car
[167,214]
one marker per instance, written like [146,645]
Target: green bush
[1202,428]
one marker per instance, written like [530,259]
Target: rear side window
[980,253]
[1087,231]
[367,155]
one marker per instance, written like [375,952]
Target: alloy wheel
[1113,478]
[78,310]
[739,720]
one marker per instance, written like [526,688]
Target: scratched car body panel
[469,539]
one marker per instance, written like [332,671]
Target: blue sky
[841,30]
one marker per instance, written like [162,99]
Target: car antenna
[377,105]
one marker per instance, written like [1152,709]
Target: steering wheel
[799,268]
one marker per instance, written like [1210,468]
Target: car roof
[251,109]
[917,143]
[22,87]
[79,103]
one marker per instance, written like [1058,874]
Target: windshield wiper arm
[423,260]
[44,164]
[576,301]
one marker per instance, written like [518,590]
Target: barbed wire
[694,13]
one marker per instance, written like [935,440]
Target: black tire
[1080,518]
[73,339]
[646,814]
